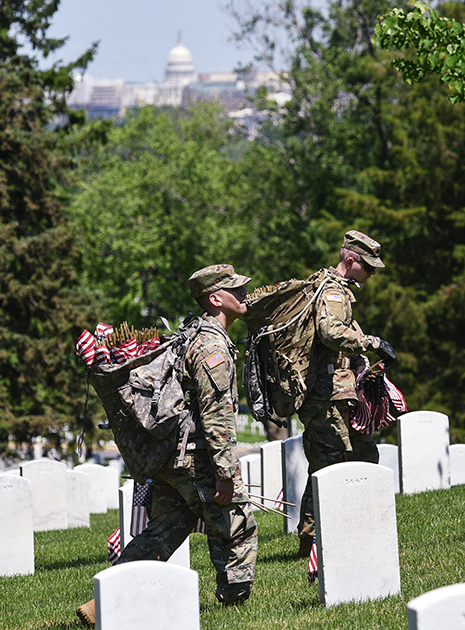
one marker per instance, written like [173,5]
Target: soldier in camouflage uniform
[209,484]
[329,437]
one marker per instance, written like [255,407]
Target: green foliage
[42,306]
[152,209]
[359,148]
[438,43]
[415,208]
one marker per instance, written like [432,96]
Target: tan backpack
[280,364]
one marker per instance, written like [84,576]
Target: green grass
[431,531]
[248,435]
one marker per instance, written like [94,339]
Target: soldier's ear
[215,299]
[349,262]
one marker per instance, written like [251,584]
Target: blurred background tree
[42,304]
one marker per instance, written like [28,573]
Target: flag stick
[268,509]
[259,505]
[257,496]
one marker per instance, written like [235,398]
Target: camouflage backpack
[145,404]
[280,367]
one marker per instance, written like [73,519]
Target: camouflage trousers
[179,497]
[329,438]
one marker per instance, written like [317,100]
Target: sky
[137,35]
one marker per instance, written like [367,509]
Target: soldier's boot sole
[86,613]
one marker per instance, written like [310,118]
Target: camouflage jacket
[339,341]
[210,371]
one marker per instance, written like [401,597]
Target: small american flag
[140,500]
[313,563]
[125,350]
[85,347]
[114,546]
[200,527]
[278,504]
[148,346]
[102,355]
[103,329]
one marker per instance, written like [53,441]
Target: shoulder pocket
[335,303]
[217,368]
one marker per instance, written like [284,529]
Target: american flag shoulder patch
[215,359]
[333,297]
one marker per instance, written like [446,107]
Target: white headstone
[254,472]
[125,507]
[443,608]
[117,463]
[16,526]
[98,487]
[13,471]
[144,594]
[424,451]
[77,499]
[271,472]
[113,483]
[356,528]
[389,456]
[48,479]
[457,464]
[182,556]
[251,473]
[295,475]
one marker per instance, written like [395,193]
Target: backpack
[280,366]
[146,406]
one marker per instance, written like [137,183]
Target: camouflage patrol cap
[214,278]
[368,249]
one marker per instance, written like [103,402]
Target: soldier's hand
[224,491]
[386,353]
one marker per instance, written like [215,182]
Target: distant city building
[110,98]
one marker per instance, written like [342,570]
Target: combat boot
[86,613]
[233,594]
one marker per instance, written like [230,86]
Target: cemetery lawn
[431,530]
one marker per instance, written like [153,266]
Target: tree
[438,44]
[365,150]
[42,305]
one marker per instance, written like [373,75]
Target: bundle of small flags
[375,394]
[115,345]
[139,521]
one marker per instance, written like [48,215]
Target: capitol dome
[180,68]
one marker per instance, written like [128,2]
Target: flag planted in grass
[114,546]
[313,563]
